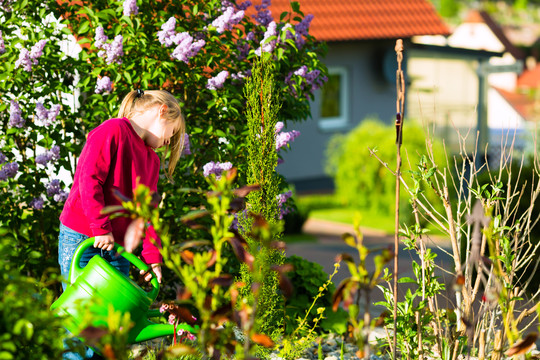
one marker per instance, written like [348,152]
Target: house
[361,36]
[445,88]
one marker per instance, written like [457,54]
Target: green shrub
[361,180]
[306,278]
[28,330]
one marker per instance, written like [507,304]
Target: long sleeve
[95,163]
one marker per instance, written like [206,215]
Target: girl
[117,155]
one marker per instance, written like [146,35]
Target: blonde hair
[137,102]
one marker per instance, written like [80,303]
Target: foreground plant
[352,290]
[207,296]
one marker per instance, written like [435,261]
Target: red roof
[338,20]
[529,78]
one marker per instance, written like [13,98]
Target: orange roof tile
[529,78]
[338,20]
[525,105]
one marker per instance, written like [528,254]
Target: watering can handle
[75,270]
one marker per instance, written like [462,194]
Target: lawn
[328,207]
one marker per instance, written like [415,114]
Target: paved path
[329,244]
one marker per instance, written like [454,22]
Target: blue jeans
[68,241]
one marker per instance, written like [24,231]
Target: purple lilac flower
[266,45]
[37,203]
[284,138]
[244,5]
[42,159]
[279,126]
[46,117]
[15,119]
[282,199]
[302,29]
[3,158]
[167,32]
[216,168]
[227,20]
[2,45]
[303,26]
[61,196]
[37,51]
[9,170]
[250,36]
[312,79]
[217,81]
[113,51]
[100,38]
[24,60]
[302,71]
[54,189]
[315,80]
[186,150]
[130,7]
[186,48]
[264,15]
[103,85]
[28,58]
[48,155]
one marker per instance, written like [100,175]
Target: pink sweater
[114,157]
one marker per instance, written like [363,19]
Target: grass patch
[328,207]
[299,238]
[347,216]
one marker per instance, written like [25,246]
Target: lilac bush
[53,91]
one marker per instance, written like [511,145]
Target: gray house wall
[371,92]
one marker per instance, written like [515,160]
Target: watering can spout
[149,330]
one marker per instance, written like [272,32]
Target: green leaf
[85,26]
[128,77]
[349,239]
[4,355]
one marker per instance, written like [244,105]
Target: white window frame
[339,122]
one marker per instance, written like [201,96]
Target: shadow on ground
[329,244]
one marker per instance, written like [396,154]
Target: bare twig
[400,89]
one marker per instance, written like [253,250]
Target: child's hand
[156,268]
[105,242]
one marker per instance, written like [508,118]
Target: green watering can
[105,285]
